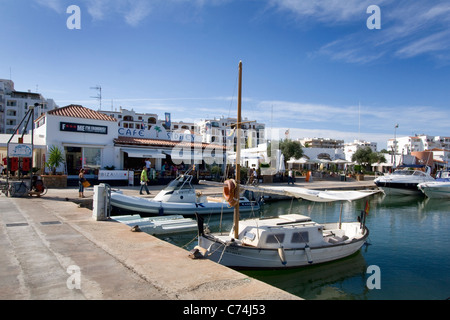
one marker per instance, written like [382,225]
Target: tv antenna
[99,95]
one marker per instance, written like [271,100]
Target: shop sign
[84,128]
[113,175]
[159,133]
[19,150]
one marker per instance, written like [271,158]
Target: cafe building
[107,150]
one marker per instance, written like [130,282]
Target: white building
[84,135]
[321,143]
[14,106]
[404,146]
[94,141]
[351,147]
[423,142]
[219,130]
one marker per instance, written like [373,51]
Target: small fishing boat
[403,182]
[158,225]
[178,197]
[286,241]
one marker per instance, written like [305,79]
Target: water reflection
[409,242]
[342,279]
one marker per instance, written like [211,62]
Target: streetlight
[395,143]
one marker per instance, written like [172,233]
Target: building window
[82,157]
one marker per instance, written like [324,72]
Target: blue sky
[309,66]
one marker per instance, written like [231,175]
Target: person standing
[144,179]
[81,179]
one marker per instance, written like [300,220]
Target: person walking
[144,179]
[291,176]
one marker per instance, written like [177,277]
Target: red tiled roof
[163,143]
[77,111]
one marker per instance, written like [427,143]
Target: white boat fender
[308,254]
[282,255]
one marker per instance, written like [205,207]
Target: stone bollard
[100,202]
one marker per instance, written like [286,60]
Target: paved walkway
[49,245]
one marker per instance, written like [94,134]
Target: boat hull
[406,189]
[149,207]
[242,257]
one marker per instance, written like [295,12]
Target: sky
[317,68]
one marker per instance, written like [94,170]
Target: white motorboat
[178,197]
[438,189]
[403,182]
[159,225]
[289,240]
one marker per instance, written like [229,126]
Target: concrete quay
[51,248]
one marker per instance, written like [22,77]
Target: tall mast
[238,155]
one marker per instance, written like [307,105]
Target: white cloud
[138,11]
[56,5]
[408,28]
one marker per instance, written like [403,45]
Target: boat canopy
[318,195]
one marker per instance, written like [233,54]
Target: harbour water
[409,243]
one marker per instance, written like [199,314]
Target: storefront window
[92,157]
[78,157]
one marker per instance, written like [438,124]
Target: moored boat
[286,241]
[403,182]
[159,225]
[436,189]
[178,197]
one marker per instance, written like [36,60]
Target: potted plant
[55,159]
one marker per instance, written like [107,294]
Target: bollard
[100,207]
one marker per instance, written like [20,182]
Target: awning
[143,153]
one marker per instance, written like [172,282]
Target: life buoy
[229,192]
